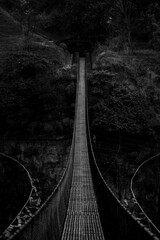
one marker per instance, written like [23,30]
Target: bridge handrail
[132,191]
[30,194]
[115,218]
[28,229]
[47,222]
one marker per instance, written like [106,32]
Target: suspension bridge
[82,206]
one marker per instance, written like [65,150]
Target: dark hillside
[124,97]
[10,32]
[8,26]
[38,84]
[37,95]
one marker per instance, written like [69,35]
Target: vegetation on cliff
[37,85]
[124,113]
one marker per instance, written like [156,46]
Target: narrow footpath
[82,221]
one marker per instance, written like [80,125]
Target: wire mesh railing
[47,222]
[116,220]
[144,185]
[12,226]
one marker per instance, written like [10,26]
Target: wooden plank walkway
[82,221]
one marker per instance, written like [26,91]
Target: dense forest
[119,25]
[38,84]
[128,20]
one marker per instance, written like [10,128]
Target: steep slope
[10,32]
[8,26]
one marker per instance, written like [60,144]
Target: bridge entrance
[79,45]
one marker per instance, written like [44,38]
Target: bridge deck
[82,221]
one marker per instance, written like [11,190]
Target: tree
[25,11]
[123,13]
[153,16]
[85,18]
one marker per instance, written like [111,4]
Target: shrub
[115,104]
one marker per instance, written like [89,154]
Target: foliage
[43,20]
[31,91]
[22,84]
[123,15]
[84,18]
[125,20]
[118,101]
[153,13]
[25,5]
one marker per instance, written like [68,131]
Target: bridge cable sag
[133,194]
[82,206]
